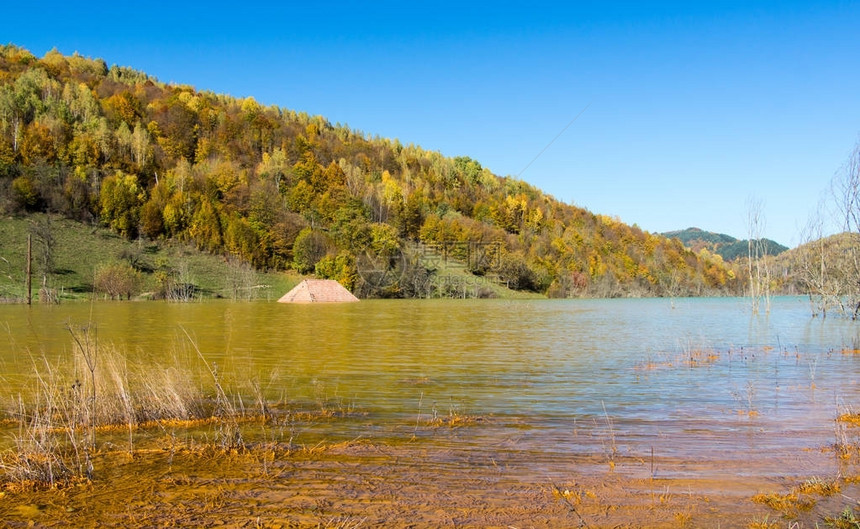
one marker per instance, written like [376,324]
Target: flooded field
[593,413]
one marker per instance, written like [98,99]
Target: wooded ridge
[285,190]
[726,246]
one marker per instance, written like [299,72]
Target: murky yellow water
[692,390]
[663,373]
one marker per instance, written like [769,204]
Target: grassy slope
[81,249]
[455,272]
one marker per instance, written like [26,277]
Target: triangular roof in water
[318,291]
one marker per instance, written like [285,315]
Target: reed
[97,389]
[39,455]
[846,444]
[612,448]
[229,434]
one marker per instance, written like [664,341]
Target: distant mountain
[692,236]
[726,246]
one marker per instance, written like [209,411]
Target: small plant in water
[229,433]
[789,504]
[454,419]
[849,418]
[818,486]
[798,499]
[846,520]
[746,399]
[813,366]
[853,347]
[612,449]
[764,523]
[846,445]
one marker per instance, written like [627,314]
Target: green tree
[340,267]
[283,236]
[121,201]
[205,227]
[468,169]
[241,240]
[351,227]
[20,102]
[237,177]
[26,193]
[310,246]
[383,239]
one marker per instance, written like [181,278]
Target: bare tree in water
[814,267]
[757,265]
[846,193]
[829,267]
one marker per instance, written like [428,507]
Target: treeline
[282,189]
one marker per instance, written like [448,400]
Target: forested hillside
[282,189]
[826,270]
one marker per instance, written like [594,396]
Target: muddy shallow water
[477,413]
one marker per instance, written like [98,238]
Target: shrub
[116,280]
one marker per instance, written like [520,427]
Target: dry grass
[790,503]
[846,443]
[97,390]
[765,523]
[851,419]
[455,420]
[819,487]
[800,498]
[690,356]
[847,519]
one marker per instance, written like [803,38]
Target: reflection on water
[553,378]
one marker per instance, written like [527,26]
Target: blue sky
[691,108]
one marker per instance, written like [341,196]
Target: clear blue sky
[692,107]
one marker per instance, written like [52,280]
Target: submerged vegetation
[284,190]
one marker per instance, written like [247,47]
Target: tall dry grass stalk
[612,449]
[114,391]
[48,444]
[96,389]
[229,433]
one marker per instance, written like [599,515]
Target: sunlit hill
[283,190]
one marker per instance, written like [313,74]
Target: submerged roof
[318,291]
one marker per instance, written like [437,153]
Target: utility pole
[29,269]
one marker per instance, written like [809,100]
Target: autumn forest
[284,190]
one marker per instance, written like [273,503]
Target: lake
[687,378]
